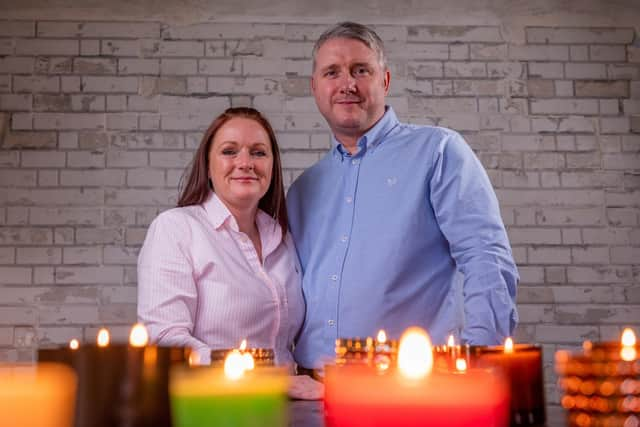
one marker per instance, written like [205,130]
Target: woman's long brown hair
[196,188]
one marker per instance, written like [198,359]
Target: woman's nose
[245,161]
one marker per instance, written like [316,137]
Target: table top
[306,413]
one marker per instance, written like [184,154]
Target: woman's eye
[228,152]
[259,153]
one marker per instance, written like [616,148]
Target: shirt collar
[372,138]
[269,229]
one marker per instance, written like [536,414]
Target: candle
[412,395]
[600,385]
[65,355]
[522,365]
[237,395]
[41,395]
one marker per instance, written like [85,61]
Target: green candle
[206,397]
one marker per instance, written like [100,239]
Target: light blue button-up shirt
[383,234]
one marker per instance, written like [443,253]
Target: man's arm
[468,214]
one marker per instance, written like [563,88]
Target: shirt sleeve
[468,215]
[167,292]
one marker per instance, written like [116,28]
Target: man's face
[349,86]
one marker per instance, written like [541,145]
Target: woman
[221,267]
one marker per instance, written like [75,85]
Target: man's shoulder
[426,133]
[312,174]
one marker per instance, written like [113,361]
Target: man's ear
[312,82]
[387,81]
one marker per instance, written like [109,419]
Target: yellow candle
[42,395]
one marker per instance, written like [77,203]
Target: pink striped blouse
[202,285]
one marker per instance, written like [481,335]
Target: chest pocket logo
[391,181]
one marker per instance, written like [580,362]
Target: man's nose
[348,83]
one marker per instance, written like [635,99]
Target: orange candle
[412,395]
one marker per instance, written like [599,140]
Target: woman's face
[241,163]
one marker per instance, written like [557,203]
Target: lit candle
[413,395]
[41,395]
[235,395]
[65,355]
[522,365]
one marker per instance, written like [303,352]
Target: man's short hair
[355,31]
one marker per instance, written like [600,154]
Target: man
[384,222]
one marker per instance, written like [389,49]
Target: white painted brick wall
[98,119]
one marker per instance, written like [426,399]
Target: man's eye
[362,70]
[330,73]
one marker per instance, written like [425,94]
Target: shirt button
[344,238]
[331,322]
[355,161]
[348,199]
[333,277]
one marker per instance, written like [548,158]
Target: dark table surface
[306,413]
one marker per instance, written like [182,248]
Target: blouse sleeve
[167,292]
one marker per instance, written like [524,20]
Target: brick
[155,48]
[596,314]
[538,236]
[54,197]
[14,276]
[546,70]
[5,84]
[163,85]
[98,29]
[129,197]
[621,161]
[588,71]
[178,122]
[127,159]
[138,66]
[67,314]
[95,66]
[538,53]
[53,65]
[416,51]
[196,85]
[120,255]
[25,236]
[609,106]
[70,84]
[18,178]
[122,121]
[16,65]
[631,106]
[99,236]
[36,84]
[145,177]
[31,47]
[565,334]
[564,88]
[579,35]
[465,69]
[89,47]
[43,159]
[170,159]
[110,84]
[439,33]
[39,255]
[579,53]
[564,106]
[82,255]
[52,102]
[179,66]
[120,48]
[596,179]
[590,255]
[214,48]
[618,217]
[17,29]
[610,125]
[459,52]
[625,255]
[47,178]
[203,31]
[18,140]
[220,67]
[598,275]
[116,102]
[607,53]
[602,89]
[548,255]
[436,106]
[88,102]
[21,121]
[540,88]
[68,121]
[65,216]
[85,159]
[6,336]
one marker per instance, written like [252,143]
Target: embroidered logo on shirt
[391,181]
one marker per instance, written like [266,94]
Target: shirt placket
[343,226]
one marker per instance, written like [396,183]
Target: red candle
[359,396]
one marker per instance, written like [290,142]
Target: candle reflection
[415,356]
[103,338]
[74,344]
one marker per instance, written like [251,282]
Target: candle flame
[461,365]
[451,341]
[628,352]
[74,344]
[382,336]
[103,338]
[194,358]
[508,345]
[628,338]
[415,356]
[138,336]
[247,359]
[234,365]
[243,345]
